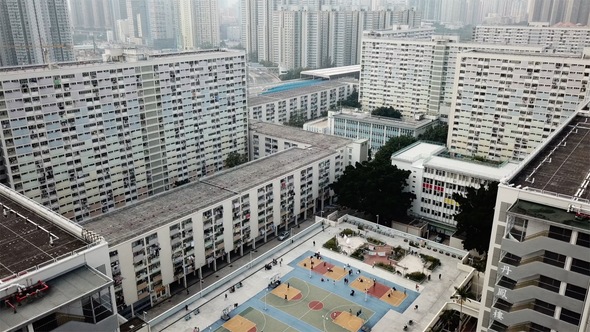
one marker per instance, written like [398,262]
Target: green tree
[235,159]
[476,216]
[266,63]
[351,101]
[394,144]
[462,295]
[388,112]
[435,134]
[297,119]
[374,187]
[292,74]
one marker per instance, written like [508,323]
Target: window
[576,292]
[570,316]
[560,234]
[583,240]
[580,266]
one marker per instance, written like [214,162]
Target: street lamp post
[366,294]
[377,219]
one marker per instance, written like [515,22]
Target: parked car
[284,235]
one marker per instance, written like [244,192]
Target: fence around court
[224,282]
[390,232]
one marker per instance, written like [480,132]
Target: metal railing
[238,273]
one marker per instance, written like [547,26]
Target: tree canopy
[292,74]
[394,144]
[235,159]
[297,119]
[374,187]
[435,134]
[351,101]
[388,112]
[476,216]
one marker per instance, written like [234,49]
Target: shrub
[416,276]
[358,254]
[375,241]
[386,267]
[348,232]
[361,227]
[332,244]
[414,244]
[398,253]
[431,262]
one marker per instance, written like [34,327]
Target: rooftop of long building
[300,136]
[562,164]
[25,237]
[123,224]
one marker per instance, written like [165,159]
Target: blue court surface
[339,290]
[291,86]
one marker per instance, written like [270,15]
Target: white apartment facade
[566,40]
[506,105]
[436,178]
[196,229]
[538,266]
[416,77]
[310,102]
[89,138]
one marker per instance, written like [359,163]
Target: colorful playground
[318,294]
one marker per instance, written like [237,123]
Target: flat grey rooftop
[297,135]
[23,245]
[381,120]
[123,224]
[64,289]
[291,93]
[563,164]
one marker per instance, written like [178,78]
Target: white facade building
[362,125]
[506,105]
[56,275]
[166,242]
[538,266]
[555,39]
[436,177]
[35,32]
[309,101]
[85,139]
[416,77]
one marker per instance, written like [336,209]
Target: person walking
[439,276]
[226,296]
[313,243]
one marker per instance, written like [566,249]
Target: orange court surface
[324,268]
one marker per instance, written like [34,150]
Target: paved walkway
[433,294]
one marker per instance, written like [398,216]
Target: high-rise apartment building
[85,139]
[538,266]
[505,105]
[198,24]
[256,28]
[162,24]
[556,11]
[414,76]
[554,39]
[409,17]
[35,32]
[93,15]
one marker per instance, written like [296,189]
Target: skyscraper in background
[198,23]
[35,32]
[555,11]
[92,15]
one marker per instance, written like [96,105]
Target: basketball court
[318,301]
